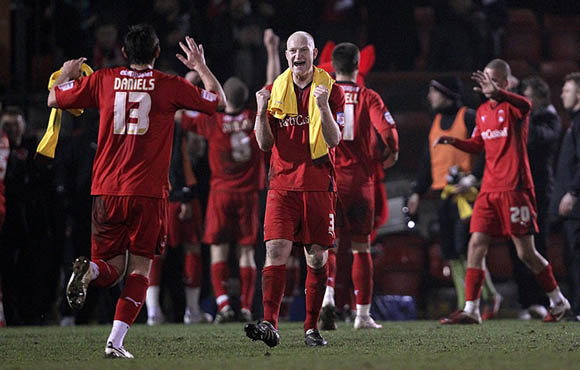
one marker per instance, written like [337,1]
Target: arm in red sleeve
[521,104]
[383,121]
[471,145]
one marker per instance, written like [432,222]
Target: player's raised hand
[262,98]
[321,94]
[72,68]
[443,140]
[194,55]
[486,85]
[271,40]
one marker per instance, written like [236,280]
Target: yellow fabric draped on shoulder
[283,103]
[47,145]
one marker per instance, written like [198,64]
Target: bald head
[300,35]
[500,66]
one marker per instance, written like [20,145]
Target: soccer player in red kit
[130,172]
[364,112]
[506,204]
[237,175]
[300,206]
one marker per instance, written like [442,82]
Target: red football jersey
[236,161]
[502,130]
[291,165]
[137,109]
[356,153]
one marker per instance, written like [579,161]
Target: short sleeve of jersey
[197,122]
[192,97]
[81,93]
[380,116]
[336,101]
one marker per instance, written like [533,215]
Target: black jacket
[567,171]
[543,135]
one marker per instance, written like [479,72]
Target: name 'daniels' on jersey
[134,84]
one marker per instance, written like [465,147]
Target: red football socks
[220,274]
[331,263]
[546,279]
[362,277]
[156,271]
[273,284]
[131,299]
[315,289]
[248,282]
[107,274]
[192,270]
[474,279]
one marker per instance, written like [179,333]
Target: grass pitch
[499,344]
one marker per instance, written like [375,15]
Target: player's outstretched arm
[272,44]
[444,140]
[194,59]
[70,70]
[264,135]
[471,145]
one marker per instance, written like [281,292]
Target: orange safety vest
[445,156]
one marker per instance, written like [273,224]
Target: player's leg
[474,278]
[129,304]
[247,280]
[154,311]
[362,279]
[220,274]
[542,270]
[328,314]
[192,269]
[315,287]
[292,281]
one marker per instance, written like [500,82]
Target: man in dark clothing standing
[544,132]
[565,200]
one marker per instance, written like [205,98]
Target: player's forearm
[273,65]
[470,145]
[51,102]
[518,101]
[211,83]
[330,130]
[264,135]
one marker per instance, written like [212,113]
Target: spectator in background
[107,49]
[567,189]
[28,261]
[451,118]
[543,136]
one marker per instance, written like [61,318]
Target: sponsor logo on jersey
[136,74]
[494,134]
[389,118]
[298,120]
[340,118]
[66,86]
[208,95]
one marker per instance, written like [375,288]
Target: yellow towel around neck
[463,200]
[47,145]
[283,103]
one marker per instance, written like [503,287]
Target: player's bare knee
[316,257]
[247,256]
[219,253]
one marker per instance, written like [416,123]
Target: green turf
[500,344]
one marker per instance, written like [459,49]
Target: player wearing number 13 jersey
[506,205]
[130,173]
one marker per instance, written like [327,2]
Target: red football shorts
[355,211]
[188,231]
[302,217]
[232,218]
[508,213]
[133,223]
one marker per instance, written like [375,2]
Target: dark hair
[236,92]
[540,89]
[12,110]
[141,43]
[574,76]
[345,58]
